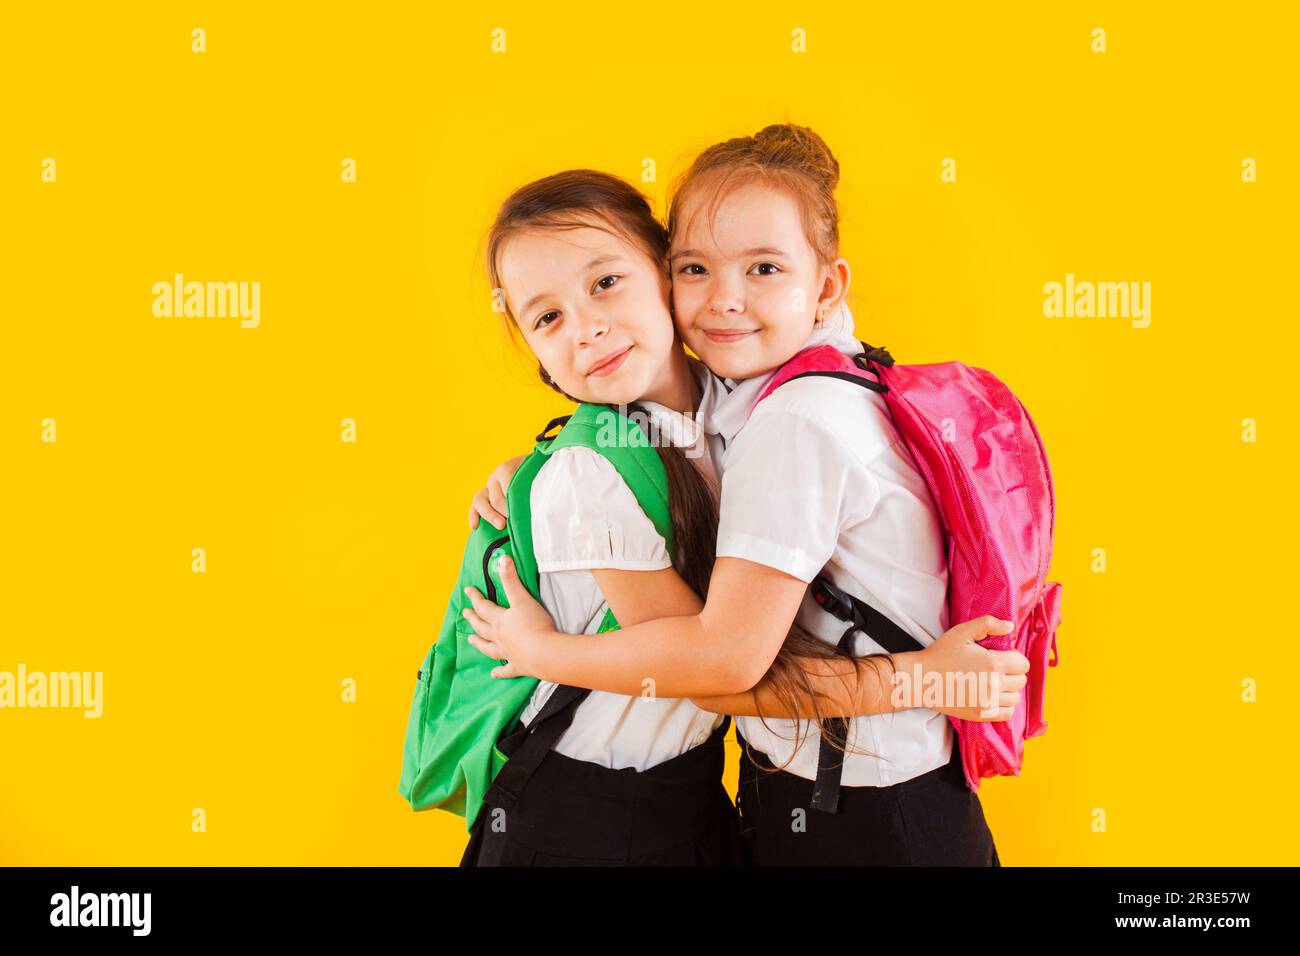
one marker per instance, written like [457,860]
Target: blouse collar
[685,430]
[736,399]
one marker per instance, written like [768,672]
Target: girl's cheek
[684,309]
[780,304]
[801,302]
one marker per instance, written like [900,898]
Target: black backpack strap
[863,617]
[860,616]
[528,746]
[525,749]
[843,376]
[873,354]
[553,423]
[866,360]
[830,760]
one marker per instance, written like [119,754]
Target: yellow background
[329,560]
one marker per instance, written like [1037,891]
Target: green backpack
[460,710]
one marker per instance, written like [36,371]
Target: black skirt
[931,820]
[576,813]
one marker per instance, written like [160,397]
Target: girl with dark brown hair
[627,777]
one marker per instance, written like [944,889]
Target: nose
[589,327]
[726,297]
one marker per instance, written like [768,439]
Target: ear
[835,287]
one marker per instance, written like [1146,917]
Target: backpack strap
[863,617]
[828,361]
[528,745]
[632,457]
[621,441]
[860,616]
[862,369]
[553,423]
[526,748]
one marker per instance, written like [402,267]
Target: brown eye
[545,319]
[606,282]
[767,265]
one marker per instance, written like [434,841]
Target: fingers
[1003,712]
[514,588]
[490,502]
[476,598]
[497,497]
[978,628]
[483,644]
[491,649]
[1006,704]
[995,625]
[473,516]
[481,613]
[481,627]
[1013,682]
[505,471]
[483,505]
[1011,662]
[1003,700]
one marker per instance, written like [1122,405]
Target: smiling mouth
[609,365]
[723,336]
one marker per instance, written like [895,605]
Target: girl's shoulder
[573,468]
[575,472]
[584,515]
[823,410]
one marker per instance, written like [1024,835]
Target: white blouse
[817,478]
[585,517]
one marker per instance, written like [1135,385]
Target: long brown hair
[797,161]
[579,198]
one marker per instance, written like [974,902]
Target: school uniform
[616,780]
[817,481]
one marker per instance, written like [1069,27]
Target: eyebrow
[696,254]
[598,261]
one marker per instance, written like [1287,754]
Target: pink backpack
[982,458]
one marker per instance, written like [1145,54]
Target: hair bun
[788,157]
[803,147]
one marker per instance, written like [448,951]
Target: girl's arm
[840,687]
[633,596]
[845,689]
[836,686]
[637,596]
[722,651]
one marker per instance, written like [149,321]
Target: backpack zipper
[487,576]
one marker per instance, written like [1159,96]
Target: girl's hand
[514,634]
[490,502]
[996,677]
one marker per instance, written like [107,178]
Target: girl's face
[747,286]
[594,310]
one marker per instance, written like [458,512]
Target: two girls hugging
[813,481]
